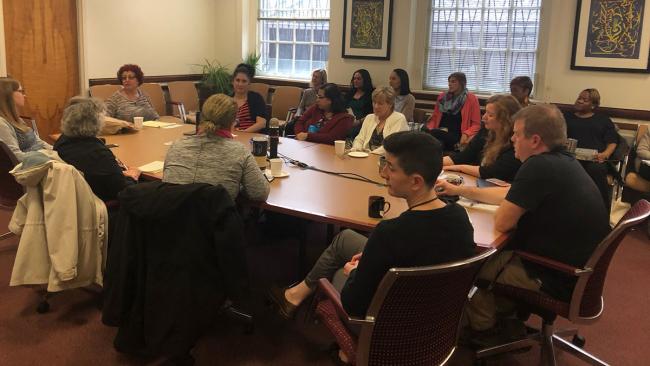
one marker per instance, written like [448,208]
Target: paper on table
[646,162]
[175,125]
[477,205]
[157,124]
[153,167]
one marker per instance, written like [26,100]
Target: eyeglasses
[127,77]
[21,91]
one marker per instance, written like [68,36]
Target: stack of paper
[467,203]
[153,167]
[157,124]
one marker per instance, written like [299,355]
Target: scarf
[224,133]
[452,104]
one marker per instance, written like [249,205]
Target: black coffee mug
[377,207]
[260,146]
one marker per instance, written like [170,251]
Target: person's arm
[258,112]
[447,160]
[255,185]
[434,121]
[472,153]
[507,216]
[473,110]
[643,148]
[610,137]
[151,113]
[362,282]
[336,129]
[505,167]
[111,105]
[490,195]
[472,170]
[409,107]
[8,136]
[302,124]
[605,154]
[360,142]
[115,179]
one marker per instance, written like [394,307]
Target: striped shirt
[244,116]
[120,107]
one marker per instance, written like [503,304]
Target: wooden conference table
[306,193]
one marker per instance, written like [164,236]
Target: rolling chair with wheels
[586,304]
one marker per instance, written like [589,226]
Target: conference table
[306,193]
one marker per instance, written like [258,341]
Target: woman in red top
[251,108]
[327,120]
[457,115]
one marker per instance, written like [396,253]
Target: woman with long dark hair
[404,100]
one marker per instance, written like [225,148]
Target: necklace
[422,203]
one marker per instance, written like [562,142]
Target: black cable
[353,176]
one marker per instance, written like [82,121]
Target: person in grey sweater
[214,157]
[14,132]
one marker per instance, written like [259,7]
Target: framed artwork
[612,35]
[367,29]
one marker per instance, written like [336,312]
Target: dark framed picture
[612,35]
[367,29]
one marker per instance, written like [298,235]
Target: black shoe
[286,309]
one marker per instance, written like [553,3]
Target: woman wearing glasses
[327,120]
[130,101]
[14,132]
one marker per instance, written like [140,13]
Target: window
[491,41]
[293,36]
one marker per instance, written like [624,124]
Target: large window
[491,41]
[293,36]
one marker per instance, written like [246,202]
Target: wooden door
[42,54]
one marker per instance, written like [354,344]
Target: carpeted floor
[72,333]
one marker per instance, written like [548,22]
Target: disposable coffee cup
[138,122]
[339,147]
[276,167]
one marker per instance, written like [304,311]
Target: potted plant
[216,79]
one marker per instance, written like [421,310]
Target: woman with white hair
[381,123]
[79,146]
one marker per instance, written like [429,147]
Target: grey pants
[330,264]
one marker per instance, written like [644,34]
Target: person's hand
[454,168]
[302,136]
[352,264]
[133,173]
[464,139]
[444,188]
[601,157]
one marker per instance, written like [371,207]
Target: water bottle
[274,137]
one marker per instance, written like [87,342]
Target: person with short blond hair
[214,157]
[310,95]
[380,124]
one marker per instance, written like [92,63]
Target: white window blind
[491,41]
[293,37]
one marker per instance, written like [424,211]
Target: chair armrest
[175,103]
[112,204]
[327,290]
[553,264]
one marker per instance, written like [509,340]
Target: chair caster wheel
[578,341]
[43,307]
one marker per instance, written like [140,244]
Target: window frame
[310,23]
[481,50]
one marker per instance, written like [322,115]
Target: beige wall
[164,37]
[167,36]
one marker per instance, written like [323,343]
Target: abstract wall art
[367,29]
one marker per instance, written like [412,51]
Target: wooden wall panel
[42,53]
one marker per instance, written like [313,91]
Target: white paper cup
[339,147]
[276,166]
[138,122]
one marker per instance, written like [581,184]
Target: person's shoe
[285,308]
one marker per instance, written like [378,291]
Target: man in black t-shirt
[555,210]
[429,232]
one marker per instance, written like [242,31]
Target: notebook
[157,124]
[153,167]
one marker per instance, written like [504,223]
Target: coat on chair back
[176,255]
[62,227]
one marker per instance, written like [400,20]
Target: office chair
[10,190]
[157,96]
[185,97]
[586,304]
[413,319]
[284,99]
[103,92]
[260,88]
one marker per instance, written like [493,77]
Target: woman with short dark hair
[327,120]
[79,146]
[130,101]
[457,114]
